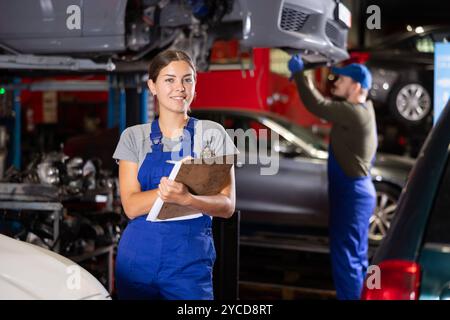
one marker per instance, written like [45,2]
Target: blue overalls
[352,201]
[165,260]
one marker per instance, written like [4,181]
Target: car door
[434,258]
[295,195]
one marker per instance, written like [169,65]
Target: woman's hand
[173,192]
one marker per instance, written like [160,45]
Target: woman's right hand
[173,192]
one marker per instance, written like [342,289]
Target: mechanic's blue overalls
[165,260]
[352,202]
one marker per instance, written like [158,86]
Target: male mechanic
[353,144]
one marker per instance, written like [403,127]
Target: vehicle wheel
[410,103]
[380,221]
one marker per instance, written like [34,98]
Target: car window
[263,134]
[438,230]
[259,135]
[442,36]
[407,44]
[420,43]
[424,44]
[274,143]
[233,121]
[303,133]
[240,122]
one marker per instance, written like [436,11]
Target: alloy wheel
[413,102]
[381,219]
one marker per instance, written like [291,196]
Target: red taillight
[399,280]
[359,57]
[402,141]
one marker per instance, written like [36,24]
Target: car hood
[31,272]
[394,162]
[392,168]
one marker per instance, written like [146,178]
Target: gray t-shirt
[134,143]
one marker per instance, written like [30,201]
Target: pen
[175,162]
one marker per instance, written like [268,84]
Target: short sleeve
[126,148]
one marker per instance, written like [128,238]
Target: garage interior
[59,186]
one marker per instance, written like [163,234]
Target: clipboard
[206,176]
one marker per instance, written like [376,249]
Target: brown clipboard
[202,177]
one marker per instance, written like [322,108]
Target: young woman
[172,259]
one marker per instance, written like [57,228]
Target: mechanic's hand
[295,64]
[173,192]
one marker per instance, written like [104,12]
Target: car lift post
[226,268]
[111,102]
[17,125]
[144,103]
[122,107]
[115,84]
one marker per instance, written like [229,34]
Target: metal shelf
[54,207]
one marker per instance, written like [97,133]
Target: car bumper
[308,26]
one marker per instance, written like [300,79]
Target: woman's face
[174,87]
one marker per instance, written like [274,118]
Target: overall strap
[190,127]
[156,135]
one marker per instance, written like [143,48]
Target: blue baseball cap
[358,72]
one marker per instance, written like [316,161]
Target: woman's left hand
[173,192]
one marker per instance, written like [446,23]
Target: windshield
[303,133]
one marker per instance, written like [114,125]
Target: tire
[410,103]
[380,221]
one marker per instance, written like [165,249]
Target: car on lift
[295,200]
[413,261]
[29,272]
[90,35]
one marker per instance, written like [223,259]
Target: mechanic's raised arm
[316,103]
[335,111]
